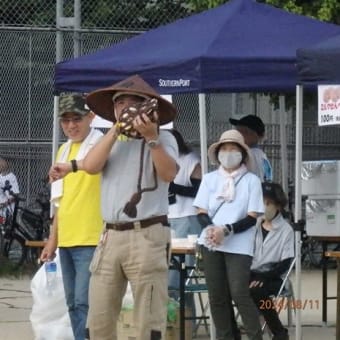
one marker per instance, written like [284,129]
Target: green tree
[325,10]
[201,5]
[132,14]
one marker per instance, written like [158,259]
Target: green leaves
[325,10]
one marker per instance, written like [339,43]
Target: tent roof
[237,47]
[320,64]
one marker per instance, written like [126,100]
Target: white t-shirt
[184,205]
[263,168]
[120,178]
[248,198]
[11,178]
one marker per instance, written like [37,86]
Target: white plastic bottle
[51,275]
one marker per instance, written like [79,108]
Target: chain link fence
[125,15]
[27,60]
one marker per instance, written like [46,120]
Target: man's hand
[147,128]
[48,253]
[58,171]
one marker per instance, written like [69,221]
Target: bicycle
[21,224]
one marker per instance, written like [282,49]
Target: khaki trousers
[140,257]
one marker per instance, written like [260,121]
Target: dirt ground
[16,303]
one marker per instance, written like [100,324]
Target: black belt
[138,224]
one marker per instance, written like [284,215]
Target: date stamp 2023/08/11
[281,303]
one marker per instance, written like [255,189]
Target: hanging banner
[328,105]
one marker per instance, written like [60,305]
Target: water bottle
[51,275]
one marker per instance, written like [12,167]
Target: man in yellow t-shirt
[77,221]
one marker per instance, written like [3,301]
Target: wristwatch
[152,143]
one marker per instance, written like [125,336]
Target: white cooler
[323,215]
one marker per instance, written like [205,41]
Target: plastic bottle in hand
[51,275]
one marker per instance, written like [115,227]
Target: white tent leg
[297,213]
[283,140]
[203,132]
[55,139]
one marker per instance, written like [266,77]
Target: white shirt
[248,198]
[263,168]
[120,178]
[184,205]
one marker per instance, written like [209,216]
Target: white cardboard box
[323,215]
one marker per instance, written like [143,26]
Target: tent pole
[203,132]
[55,139]
[58,57]
[283,140]
[297,213]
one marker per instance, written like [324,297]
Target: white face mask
[270,212]
[229,159]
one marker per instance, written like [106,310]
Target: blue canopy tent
[240,46]
[237,47]
[318,64]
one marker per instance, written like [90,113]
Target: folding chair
[285,293]
[195,284]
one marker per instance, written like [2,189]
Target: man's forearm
[99,153]
[53,237]
[165,165]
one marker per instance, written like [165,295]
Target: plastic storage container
[320,178]
[323,215]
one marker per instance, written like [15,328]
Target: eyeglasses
[74,120]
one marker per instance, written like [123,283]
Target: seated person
[274,251]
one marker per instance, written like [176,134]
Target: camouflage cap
[73,103]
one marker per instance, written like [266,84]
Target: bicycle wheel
[2,240]
[32,257]
[15,251]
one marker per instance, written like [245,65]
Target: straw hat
[101,101]
[230,136]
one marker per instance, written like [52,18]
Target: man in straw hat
[229,200]
[134,197]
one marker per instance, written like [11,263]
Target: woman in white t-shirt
[182,191]
[182,214]
[229,200]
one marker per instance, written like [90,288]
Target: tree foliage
[143,14]
[325,10]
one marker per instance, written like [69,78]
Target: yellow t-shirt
[79,216]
